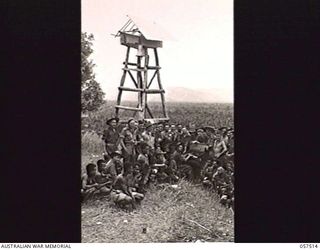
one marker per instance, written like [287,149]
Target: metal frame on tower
[139,72]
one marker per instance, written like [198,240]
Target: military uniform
[128,137]
[111,139]
[148,138]
[143,161]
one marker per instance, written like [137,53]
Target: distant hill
[182,94]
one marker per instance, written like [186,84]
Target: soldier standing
[111,136]
[128,141]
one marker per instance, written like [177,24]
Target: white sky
[201,57]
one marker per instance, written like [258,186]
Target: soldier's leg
[206,183]
[114,196]
[137,196]
[224,199]
[89,193]
[104,190]
[186,171]
[195,170]
[124,198]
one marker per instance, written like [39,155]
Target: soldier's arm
[106,135]
[113,172]
[224,146]
[101,184]
[103,137]
[121,138]
[84,183]
[123,186]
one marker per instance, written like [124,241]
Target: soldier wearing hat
[111,135]
[201,136]
[192,131]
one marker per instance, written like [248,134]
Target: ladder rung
[154,91]
[129,63]
[130,89]
[135,69]
[154,67]
[128,108]
[148,91]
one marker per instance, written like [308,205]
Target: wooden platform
[135,40]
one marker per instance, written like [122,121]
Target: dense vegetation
[201,114]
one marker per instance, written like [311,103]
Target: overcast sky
[200,57]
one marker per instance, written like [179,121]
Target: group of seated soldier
[140,153]
[120,180]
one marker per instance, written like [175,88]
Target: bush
[91,144]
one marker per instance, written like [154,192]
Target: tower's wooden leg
[123,78]
[160,85]
[140,85]
[145,82]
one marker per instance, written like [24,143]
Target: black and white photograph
[157,121]
[120,119]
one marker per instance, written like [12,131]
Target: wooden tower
[139,72]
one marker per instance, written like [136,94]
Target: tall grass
[92,148]
[168,214]
[201,114]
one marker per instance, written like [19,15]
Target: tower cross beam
[142,70]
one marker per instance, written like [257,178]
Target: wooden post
[139,81]
[123,78]
[145,82]
[149,111]
[160,85]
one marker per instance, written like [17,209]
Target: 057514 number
[309,245]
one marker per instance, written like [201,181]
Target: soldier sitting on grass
[144,164]
[227,195]
[114,163]
[207,173]
[220,179]
[103,177]
[160,166]
[123,193]
[90,186]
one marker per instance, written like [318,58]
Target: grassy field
[201,114]
[184,214]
